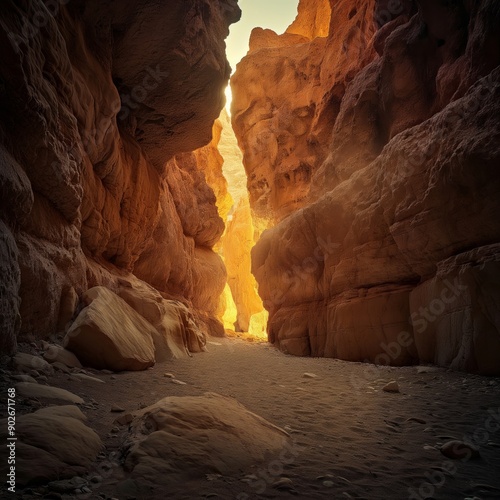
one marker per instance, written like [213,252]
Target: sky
[274,14]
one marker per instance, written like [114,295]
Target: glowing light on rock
[229,99]
[258,325]
[229,308]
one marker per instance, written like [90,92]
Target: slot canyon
[294,295]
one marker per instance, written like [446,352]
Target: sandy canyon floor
[350,439]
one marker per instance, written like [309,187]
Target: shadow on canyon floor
[349,438]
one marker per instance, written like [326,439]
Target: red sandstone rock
[408,184]
[96,106]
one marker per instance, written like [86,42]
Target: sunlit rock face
[241,299]
[391,255]
[100,106]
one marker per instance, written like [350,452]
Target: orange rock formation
[373,149]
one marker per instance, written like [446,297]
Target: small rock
[213,477]
[459,450]
[250,478]
[96,479]
[283,484]
[310,375]
[56,353]
[88,378]
[34,373]
[169,375]
[61,367]
[178,382]
[392,386]
[43,378]
[117,409]
[27,363]
[427,369]
[328,484]
[107,372]
[124,419]
[45,345]
[415,419]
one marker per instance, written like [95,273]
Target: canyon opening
[293,292]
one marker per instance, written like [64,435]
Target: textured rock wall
[391,255]
[100,105]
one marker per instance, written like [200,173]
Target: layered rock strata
[387,250]
[101,105]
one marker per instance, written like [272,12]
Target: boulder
[109,334]
[53,443]
[177,333]
[181,437]
[39,391]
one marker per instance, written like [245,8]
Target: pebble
[169,375]
[459,450]
[328,484]
[310,375]
[416,419]
[83,376]
[61,367]
[284,483]
[117,409]
[392,386]
[178,382]
[427,369]
[124,419]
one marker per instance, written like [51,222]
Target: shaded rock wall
[391,254]
[100,105]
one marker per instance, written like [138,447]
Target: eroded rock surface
[399,196]
[109,334]
[100,107]
[181,437]
[53,443]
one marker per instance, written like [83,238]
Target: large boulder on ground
[181,437]
[177,333]
[109,334]
[53,443]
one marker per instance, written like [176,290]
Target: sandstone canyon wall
[101,107]
[372,149]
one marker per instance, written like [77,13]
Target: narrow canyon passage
[294,293]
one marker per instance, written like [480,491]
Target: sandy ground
[350,438]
